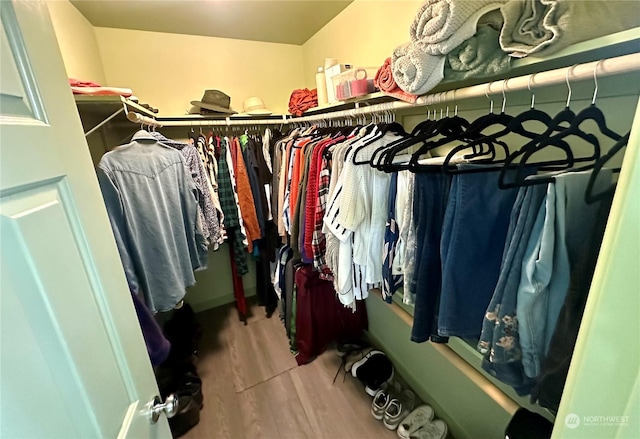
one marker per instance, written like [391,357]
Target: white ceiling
[289,22]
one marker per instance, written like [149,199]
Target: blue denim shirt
[152,205]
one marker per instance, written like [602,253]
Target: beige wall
[170,70]
[77,41]
[364,34]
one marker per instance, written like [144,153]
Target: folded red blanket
[301,100]
[91,88]
[80,83]
[387,84]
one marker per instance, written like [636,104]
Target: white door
[73,363]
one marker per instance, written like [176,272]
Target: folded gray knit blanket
[442,25]
[479,56]
[546,26]
[414,70]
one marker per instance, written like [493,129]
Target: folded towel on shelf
[387,84]
[81,83]
[479,56]
[102,91]
[442,25]
[415,70]
[301,100]
[80,87]
[546,26]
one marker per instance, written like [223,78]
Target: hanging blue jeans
[431,192]
[555,367]
[499,339]
[473,238]
[390,282]
[548,264]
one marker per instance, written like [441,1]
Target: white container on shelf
[321,86]
[329,74]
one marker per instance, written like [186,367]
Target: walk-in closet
[320,219]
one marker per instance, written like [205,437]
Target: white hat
[254,106]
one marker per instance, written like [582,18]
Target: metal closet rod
[227,121]
[605,67]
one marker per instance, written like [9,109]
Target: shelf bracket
[97,127]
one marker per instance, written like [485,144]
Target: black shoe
[373,370]
[349,347]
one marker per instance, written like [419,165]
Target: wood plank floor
[254,389]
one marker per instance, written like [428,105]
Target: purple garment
[158,346]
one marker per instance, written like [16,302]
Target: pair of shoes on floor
[420,425]
[391,405]
[374,369]
[383,398]
[350,353]
[350,347]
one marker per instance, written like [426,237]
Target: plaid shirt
[311,197]
[229,206]
[319,242]
[225,190]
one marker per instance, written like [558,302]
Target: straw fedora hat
[254,106]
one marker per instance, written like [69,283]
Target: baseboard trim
[219,300]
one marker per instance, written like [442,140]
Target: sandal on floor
[433,430]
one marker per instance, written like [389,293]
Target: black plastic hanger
[422,131]
[445,126]
[561,122]
[380,152]
[459,129]
[593,113]
[516,124]
[387,126]
[590,113]
[589,196]
[372,133]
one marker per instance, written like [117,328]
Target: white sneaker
[383,398]
[398,409]
[420,416]
[432,430]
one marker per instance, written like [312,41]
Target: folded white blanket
[414,70]
[546,26]
[442,25]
